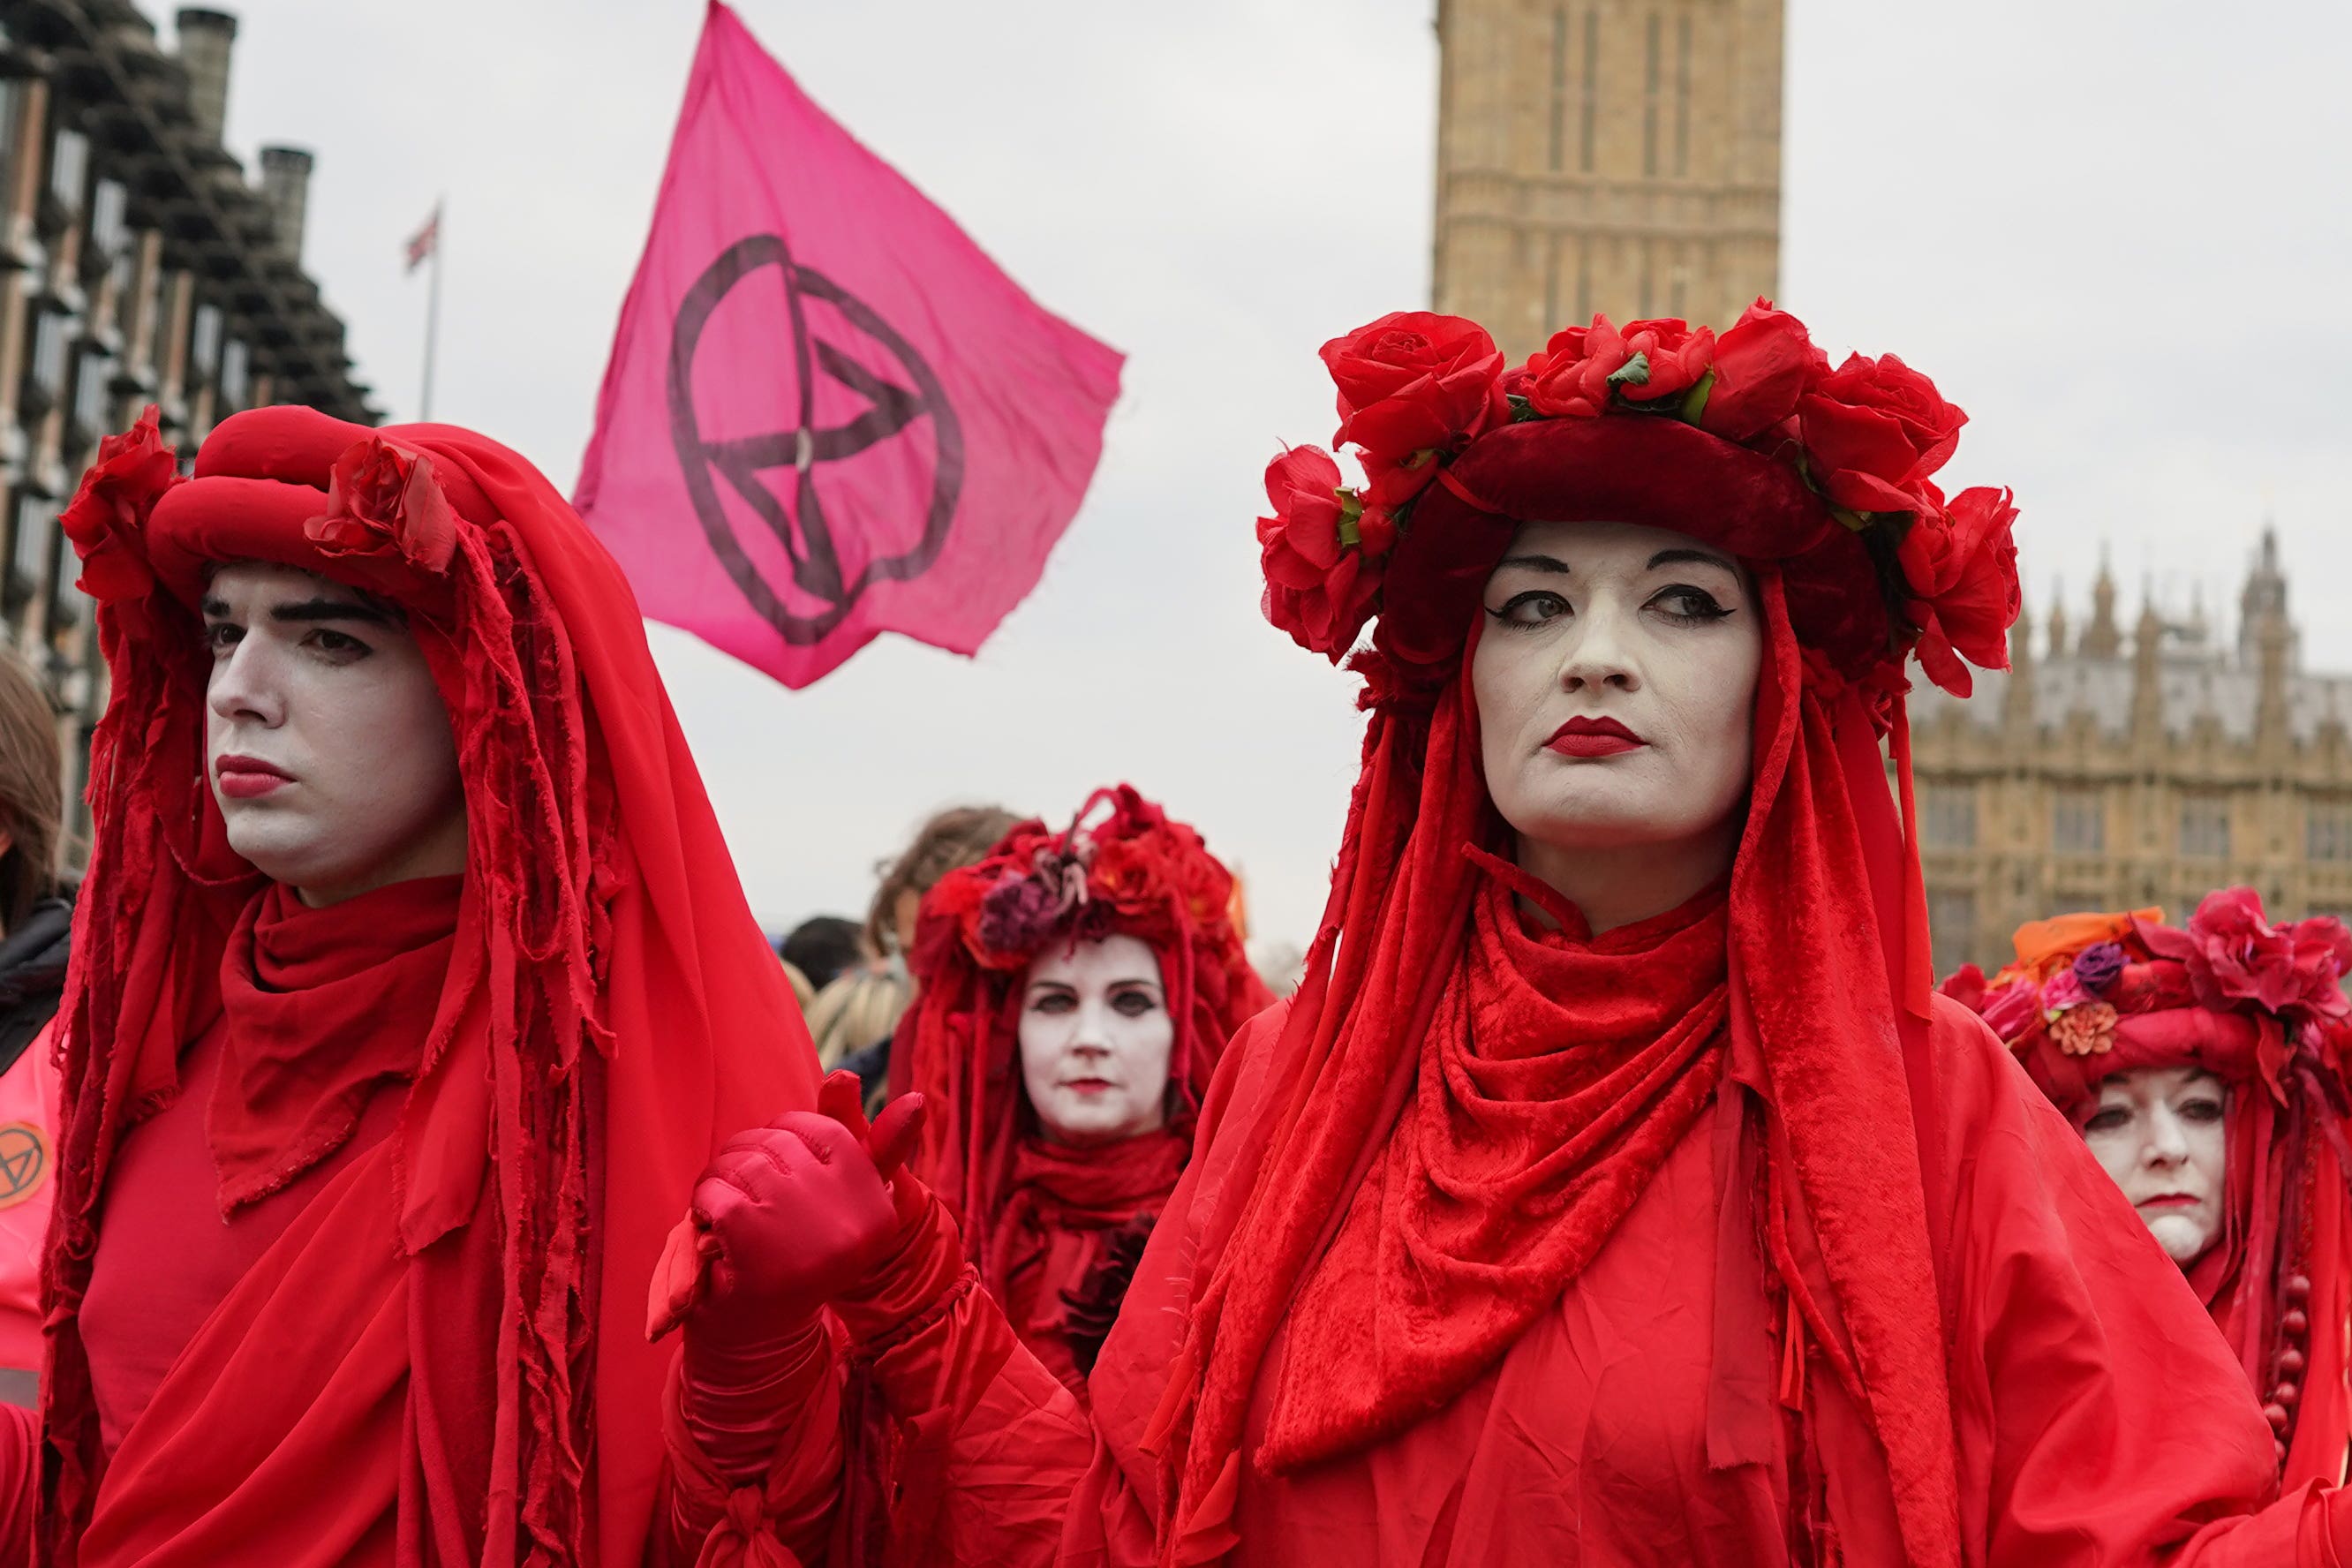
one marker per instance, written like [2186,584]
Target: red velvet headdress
[2262,1009]
[1133,872]
[1821,482]
[610,1012]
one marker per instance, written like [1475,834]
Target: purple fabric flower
[2098,966]
[1020,915]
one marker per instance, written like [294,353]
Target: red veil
[610,1012]
[1133,871]
[2262,1008]
[1828,980]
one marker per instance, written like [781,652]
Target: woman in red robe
[1075,991]
[1614,1191]
[411,976]
[2207,1068]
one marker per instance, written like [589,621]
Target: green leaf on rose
[1522,410]
[1695,400]
[1634,372]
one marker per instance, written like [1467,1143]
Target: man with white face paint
[1103,963]
[332,759]
[2204,1067]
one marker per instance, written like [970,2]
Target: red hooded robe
[440,1360]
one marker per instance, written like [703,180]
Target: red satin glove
[786,1218]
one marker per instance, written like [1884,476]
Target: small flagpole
[431,316]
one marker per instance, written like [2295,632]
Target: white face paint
[1615,679]
[327,743]
[1095,1040]
[2163,1134]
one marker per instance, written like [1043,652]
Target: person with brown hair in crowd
[958,836]
[36,924]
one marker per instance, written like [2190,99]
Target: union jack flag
[422,243]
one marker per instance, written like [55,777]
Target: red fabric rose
[2011,1008]
[1570,378]
[1664,358]
[1961,563]
[1966,986]
[382,497]
[1762,365]
[108,515]
[1321,551]
[2235,955]
[1414,387]
[1875,431]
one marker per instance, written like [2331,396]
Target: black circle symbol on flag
[803,532]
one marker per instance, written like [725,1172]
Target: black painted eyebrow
[1536,563]
[307,610]
[1126,980]
[301,612]
[1681,557]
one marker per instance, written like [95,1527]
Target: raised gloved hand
[786,1218]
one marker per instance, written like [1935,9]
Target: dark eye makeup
[1682,603]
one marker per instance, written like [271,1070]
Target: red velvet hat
[1821,482]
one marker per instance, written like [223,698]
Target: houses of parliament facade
[1625,156]
[2114,770]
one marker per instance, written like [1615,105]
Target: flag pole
[431,316]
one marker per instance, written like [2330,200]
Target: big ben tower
[1614,155]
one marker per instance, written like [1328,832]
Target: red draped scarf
[1062,1210]
[1561,1071]
[322,1007]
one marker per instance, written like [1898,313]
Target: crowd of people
[425,1159]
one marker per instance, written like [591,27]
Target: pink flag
[827,414]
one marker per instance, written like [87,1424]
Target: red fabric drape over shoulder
[451,1331]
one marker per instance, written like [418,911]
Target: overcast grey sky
[2116,233]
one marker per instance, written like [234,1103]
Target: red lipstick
[1581,737]
[248,778]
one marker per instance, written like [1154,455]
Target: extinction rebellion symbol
[822,590]
[24,1161]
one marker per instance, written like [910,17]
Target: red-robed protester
[2207,1069]
[1614,1191]
[412,981]
[1075,991]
